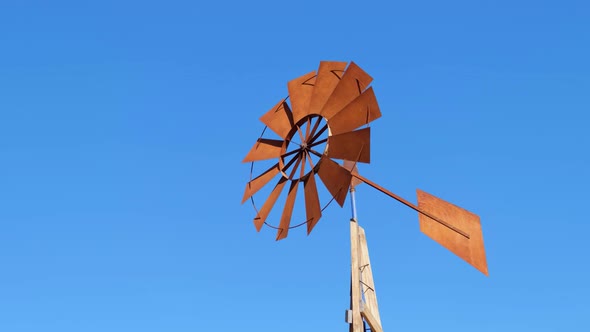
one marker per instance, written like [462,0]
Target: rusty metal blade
[312,202]
[253,186]
[279,119]
[353,145]
[302,168]
[264,149]
[360,111]
[329,74]
[300,90]
[335,177]
[270,202]
[351,167]
[471,248]
[287,211]
[353,82]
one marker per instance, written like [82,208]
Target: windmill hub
[302,148]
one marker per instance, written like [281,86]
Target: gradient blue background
[123,124]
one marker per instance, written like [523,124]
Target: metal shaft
[353,203]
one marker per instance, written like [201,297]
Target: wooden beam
[371,320]
[367,283]
[355,289]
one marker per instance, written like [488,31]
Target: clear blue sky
[123,125]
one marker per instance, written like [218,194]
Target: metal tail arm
[408,204]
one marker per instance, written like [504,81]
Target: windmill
[327,118]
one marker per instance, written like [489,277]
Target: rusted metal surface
[471,248]
[353,145]
[360,111]
[313,209]
[335,177]
[329,74]
[279,119]
[353,83]
[351,167]
[253,186]
[287,211]
[264,149]
[268,204]
[300,91]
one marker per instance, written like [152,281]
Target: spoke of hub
[317,143]
[315,152]
[309,159]
[307,127]
[286,167]
[292,141]
[315,127]
[300,134]
[319,133]
[296,165]
[289,153]
[303,155]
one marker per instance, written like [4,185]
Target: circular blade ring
[331,104]
[292,160]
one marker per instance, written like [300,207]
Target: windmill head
[327,108]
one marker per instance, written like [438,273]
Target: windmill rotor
[320,124]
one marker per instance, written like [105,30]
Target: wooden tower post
[363,298]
